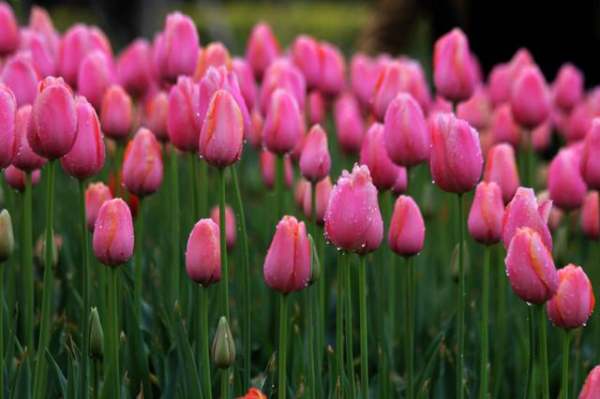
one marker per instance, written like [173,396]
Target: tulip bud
[222,131]
[42,51]
[333,69]
[315,161]
[156,111]
[8,111]
[525,211]
[287,264]
[230,229]
[267,168]
[455,160]
[323,188]
[529,97]
[574,301]
[183,121]
[485,216]
[503,126]
[262,48]
[96,74]
[95,196]
[530,267]
[541,137]
[203,253]
[254,393]
[499,84]
[401,183]
[501,168]
[568,87]
[393,78]
[590,216]
[284,125]
[565,184]
[113,238]
[142,164]
[116,113]
[133,74]
[223,346]
[305,55]
[245,77]
[406,136]
[21,77]
[407,229]
[591,387]
[25,159]
[349,124]
[15,177]
[316,108]
[454,74]
[53,125]
[177,52]
[254,135]
[590,162]
[9,30]
[476,110]
[96,335]
[86,157]
[373,154]
[364,72]
[214,55]
[353,220]
[7,240]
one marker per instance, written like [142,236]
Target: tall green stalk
[27,265]
[225,384]
[85,288]
[279,184]
[409,350]
[349,331]
[566,340]
[364,350]
[485,299]
[310,338]
[500,327]
[316,301]
[41,366]
[202,318]
[543,351]
[223,242]
[175,272]
[339,313]
[460,391]
[138,264]
[529,386]
[282,361]
[112,381]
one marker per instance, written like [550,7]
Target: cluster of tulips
[135,325]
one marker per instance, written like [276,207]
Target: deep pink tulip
[324,188]
[284,125]
[156,111]
[42,54]
[116,113]
[222,132]
[96,74]
[183,120]
[521,59]
[9,30]
[574,301]
[503,127]
[8,113]
[113,237]
[282,74]
[499,84]
[40,21]
[86,157]
[406,235]
[15,177]
[134,75]
[590,216]
[267,168]
[306,56]
[333,69]
[565,184]
[530,267]
[21,77]
[349,123]
[177,51]
[245,78]
[406,135]
[353,220]
[401,183]
[454,73]
[591,387]
[364,72]
[579,122]
[541,137]
[142,164]
[438,106]
[300,190]
[203,253]
[262,48]
[530,98]
[316,108]
[53,125]
[214,55]
[96,195]
[373,154]
[485,216]
[24,157]
[254,135]
[287,264]
[230,229]
[567,88]
[476,110]
[315,161]
[501,168]
[455,160]
[590,161]
[525,211]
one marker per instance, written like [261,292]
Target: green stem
[223,242]
[529,157]
[175,228]
[282,361]
[485,298]
[564,389]
[279,183]
[41,367]
[364,350]
[310,337]
[204,351]
[531,343]
[225,384]
[339,325]
[27,265]
[193,185]
[138,264]
[461,303]
[349,331]
[315,293]
[96,367]
[85,288]
[410,328]
[544,351]
[501,321]
[112,365]
[202,188]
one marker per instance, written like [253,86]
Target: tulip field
[292,222]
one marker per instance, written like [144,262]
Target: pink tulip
[324,188]
[254,135]
[503,126]
[373,154]
[521,59]
[9,30]
[406,235]
[438,106]
[529,97]
[183,121]
[267,168]
[302,185]
[53,125]
[541,137]
[229,224]
[353,221]
[15,177]
[86,157]
[24,157]
[203,253]
[574,301]
[565,184]
[568,87]
[501,168]
[315,161]
[476,110]
[43,56]
[135,76]
[215,55]
[455,160]
[113,238]
[579,122]
[333,69]
[287,264]
[96,74]
[306,56]
[176,52]
[364,72]
[142,164]
[405,135]
[40,22]
[282,74]
[316,108]
[590,216]
[401,183]
[454,73]
[590,162]
[591,387]
[156,111]
[485,216]
[262,48]
[349,123]
[245,77]
[116,113]
[524,211]
[21,77]
[284,125]
[499,84]
[222,131]
[96,195]
[8,112]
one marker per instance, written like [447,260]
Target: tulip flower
[9,30]
[15,177]
[223,348]
[284,75]
[253,393]
[230,228]
[349,124]
[21,77]
[203,254]
[565,184]
[499,84]
[183,121]
[245,77]
[41,52]
[8,111]
[485,216]
[40,21]
[24,157]
[454,73]
[262,48]
[267,168]
[476,110]
[405,134]
[306,56]
[332,69]
[578,123]
[541,137]
[591,387]
[142,164]
[176,52]
[284,125]
[116,113]
[455,160]
[215,55]
[364,72]
[407,229]
[373,154]
[590,162]
[574,301]
[113,233]
[135,76]
[315,161]
[567,89]
[529,97]
[524,211]
[316,108]
[156,111]
[590,216]
[96,74]
[323,192]
[95,196]
[401,183]
[501,168]
[254,135]
[503,126]
[7,239]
